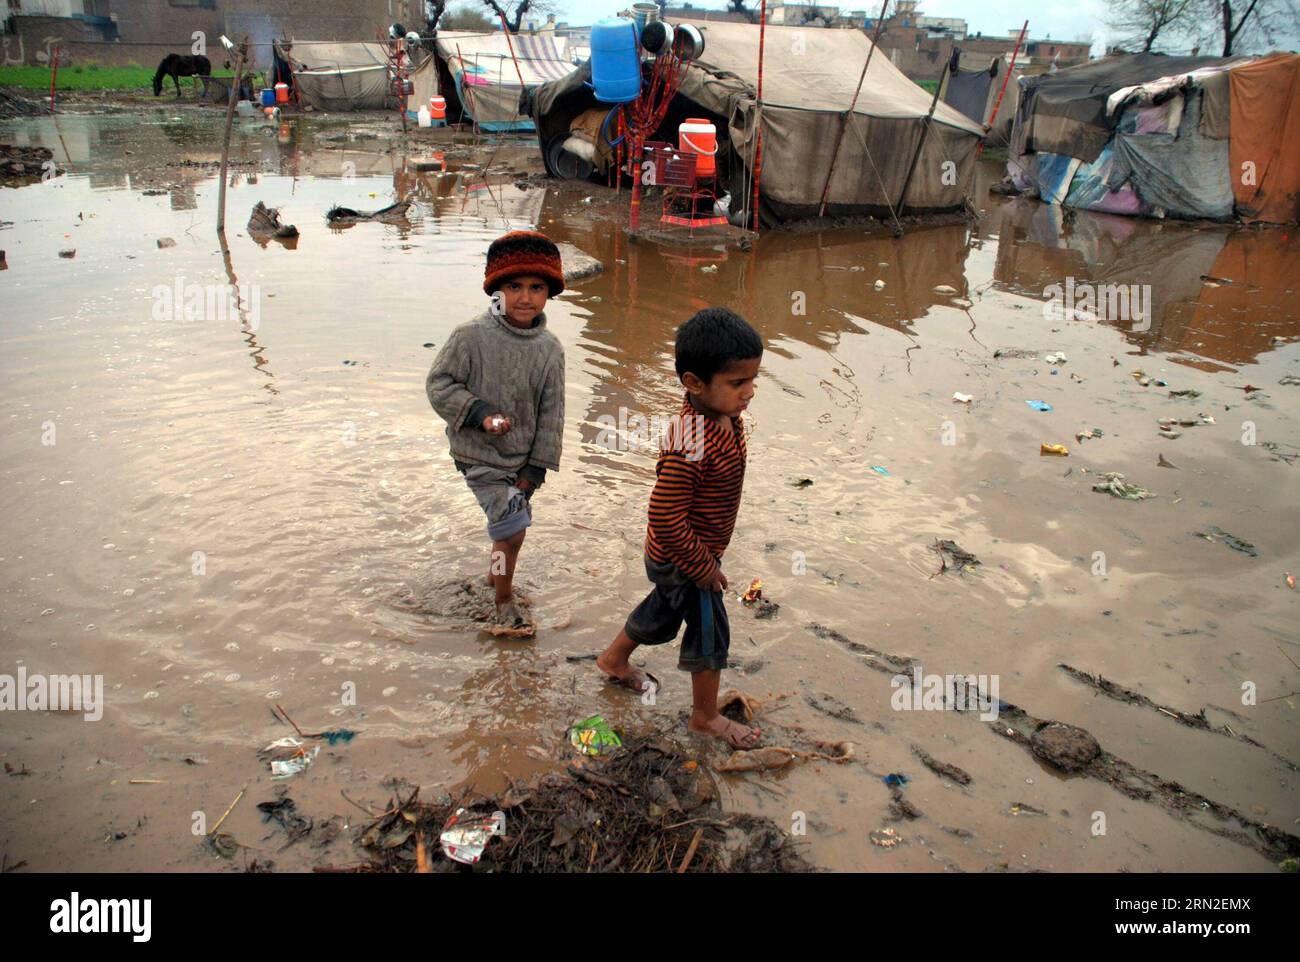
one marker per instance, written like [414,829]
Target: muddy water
[258,506]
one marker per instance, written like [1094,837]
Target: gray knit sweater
[489,365]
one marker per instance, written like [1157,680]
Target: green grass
[930,86]
[87,77]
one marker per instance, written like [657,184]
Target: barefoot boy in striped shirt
[693,509]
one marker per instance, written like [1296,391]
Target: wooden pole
[994,116]
[758,109]
[844,121]
[225,141]
[54,76]
[925,132]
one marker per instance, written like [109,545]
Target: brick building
[118,32]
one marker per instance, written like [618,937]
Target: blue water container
[268,97]
[615,61]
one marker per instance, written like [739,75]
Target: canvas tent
[339,75]
[1193,137]
[809,77]
[486,70]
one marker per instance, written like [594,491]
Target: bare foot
[625,675]
[733,733]
[509,616]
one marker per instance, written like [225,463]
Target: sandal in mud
[633,683]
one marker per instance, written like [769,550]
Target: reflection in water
[1214,293]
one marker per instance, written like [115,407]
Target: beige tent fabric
[341,76]
[424,83]
[814,68]
[489,79]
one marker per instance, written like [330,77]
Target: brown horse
[176,65]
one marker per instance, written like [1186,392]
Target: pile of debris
[646,807]
[25,164]
[12,106]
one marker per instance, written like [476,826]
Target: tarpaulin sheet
[341,76]
[487,70]
[968,91]
[1266,135]
[1090,191]
[1185,173]
[1066,113]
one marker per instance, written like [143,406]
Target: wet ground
[257,507]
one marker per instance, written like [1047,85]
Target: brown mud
[231,510]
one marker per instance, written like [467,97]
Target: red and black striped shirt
[697,493]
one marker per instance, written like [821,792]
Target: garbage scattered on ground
[1290,580]
[1231,540]
[69,253]
[960,558]
[649,807]
[885,838]
[962,398]
[465,835]
[753,598]
[738,706]
[1114,483]
[338,216]
[1022,808]
[1289,379]
[1161,382]
[1039,405]
[942,769]
[802,483]
[774,756]
[287,757]
[1067,747]
[896,780]
[881,470]
[264,223]
[1054,450]
[1088,435]
[1014,352]
[1161,462]
[880,285]
[1277,454]
[1187,393]
[709,269]
[1167,425]
[593,736]
[332,735]
[165,242]
[1054,358]
[283,811]
[944,289]
[20,164]
[1170,435]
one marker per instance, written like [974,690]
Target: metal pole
[758,110]
[506,30]
[844,121]
[994,116]
[925,130]
[225,142]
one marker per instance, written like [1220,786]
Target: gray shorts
[508,509]
[657,619]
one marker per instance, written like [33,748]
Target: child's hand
[714,582]
[524,485]
[497,424]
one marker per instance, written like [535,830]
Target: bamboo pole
[54,76]
[844,121]
[506,30]
[225,142]
[925,131]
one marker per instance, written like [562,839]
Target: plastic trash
[962,398]
[1055,357]
[1088,435]
[1214,532]
[896,780]
[593,736]
[1039,405]
[287,757]
[1114,484]
[1055,450]
[465,835]
[881,470]
[880,285]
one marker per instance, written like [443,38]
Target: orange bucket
[437,108]
[281,93]
[700,137]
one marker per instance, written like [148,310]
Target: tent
[809,78]
[338,75]
[1191,137]
[486,70]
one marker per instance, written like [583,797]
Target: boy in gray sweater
[498,382]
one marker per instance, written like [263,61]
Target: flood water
[257,506]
